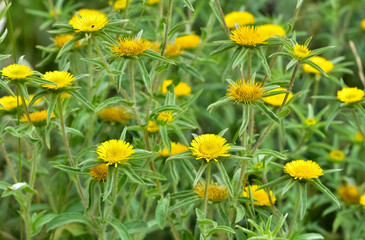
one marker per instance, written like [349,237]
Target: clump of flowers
[216,193]
[349,194]
[165,117]
[244,91]
[337,155]
[181,89]
[301,169]
[60,78]
[323,63]
[301,51]
[17,72]
[115,152]
[209,147]
[188,41]
[100,172]
[350,95]
[240,18]
[249,36]
[260,197]
[114,115]
[130,46]
[176,148]
[278,99]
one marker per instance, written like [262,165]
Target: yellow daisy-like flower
[83,13]
[349,194]
[278,99]
[89,22]
[216,193]
[181,89]
[176,148]
[151,2]
[243,91]
[17,71]
[326,65]
[10,102]
[170,51]
[249,36]
[62,39]
[362,200]
[350,95]
[152,127]
[240,18]
[301,51]
[271,30]
[65,95]
[209,147]
[260,197]
[165,117]
[188,41]
[300,169]
[337,155]
[37,117]
[310,121]
[60,78]
[363,24]
[114,115]
[130,46]
[115,151]
[100,172]
[358,137]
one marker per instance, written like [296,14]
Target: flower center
[209,148]
[114,154]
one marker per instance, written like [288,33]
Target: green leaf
[4,86]
[66,168]
[240,212]
[154,55]
[242,52]
[51,106]
[221,229]
[276,181]
[318,184]
[66,218]
[82,99]
[69,45]
[165,138]
[186,202]
[288,186]
[166,108]
[315,66]
[273,153]
[260,53]
[223,48]
[225,177]
[162,210]
[145,76]
[302,199]
[109,183]
[131,174]
[176,28]
[16,188]
[120,228]
[200,173]
[188,4]
[279,224]
[218,103]
[268,112]
[111,101]
[192,71]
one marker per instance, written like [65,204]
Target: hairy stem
[168,21]
[207,180]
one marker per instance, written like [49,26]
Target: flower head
[301,51]
[363,24]
[10,102]
[258,165]
[181,89]
[278,99]
[119,4]
[165,117]
[216,193]
[350,95]
[62,39]
[37,118]
[170,51]
[130,47]
[150,2]
[271,30]
[349,194]
[300,169]
[60,78]
[362,200]
[176,148]
[17,71]
[260,197]
[152,127]
[249,36]
[243,91]
[114,152]
[209,147]
[100,172]
[324,64]
[337,155]
[310,122]
[240,18]
[88,21]
[188,41]
[114,115]
[358,137]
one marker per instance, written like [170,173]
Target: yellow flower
[349,194]
[363,24]
[152,127]
[358,137]
[188,41]
[239,18]
[278,99]
[350,95]
[181,89]
[150,2]
[301,51]
[62,39]
[300,169]
[249,36]
[165,117]
[362,200]
[243,91]
[65,95]
[271,30]
[209,147]
[176,148]
[326,65]
[130,46]
[170,51]
[114,115]
[90,21]
[310,122]
[37,117]
[10,102]
[17,71]
[60,78]
[115,151]
[258,165]
[100,172]
[260,197]
[337,155]
[216,193]
[83,13]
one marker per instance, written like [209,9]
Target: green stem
[168,21]
[248,65]
[133,88]
[90,82]
[11,32]
[8,162]
[207,181]
[358,123]
[292,224]
[221,14]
